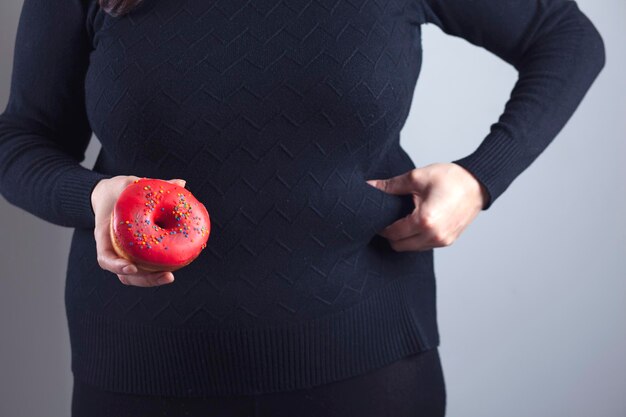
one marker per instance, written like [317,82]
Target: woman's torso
[275,113]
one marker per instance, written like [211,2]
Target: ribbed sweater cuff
[74,191]
[497,161]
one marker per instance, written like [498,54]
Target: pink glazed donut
[158,225]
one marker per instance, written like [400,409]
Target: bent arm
[557,52]
[44,130]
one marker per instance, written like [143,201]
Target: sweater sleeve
[44,130]
[557,53]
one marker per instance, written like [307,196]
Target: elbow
[593,50]
[564,31]
[597,50]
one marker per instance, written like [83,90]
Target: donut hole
[165,222]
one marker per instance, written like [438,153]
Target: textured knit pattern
[275,113]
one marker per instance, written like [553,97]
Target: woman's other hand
[447,198]
[103,199]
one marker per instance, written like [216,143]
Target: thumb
[178,181]
[400,184]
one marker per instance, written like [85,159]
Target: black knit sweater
[275,113]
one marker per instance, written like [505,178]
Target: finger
[178,181]
[412,181]
[403,228]
[419,242]
[107,257]
[394,185]
[147,280]
[144,273]
[140,282]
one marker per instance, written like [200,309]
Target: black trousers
[411,387]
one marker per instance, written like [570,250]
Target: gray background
[518,338]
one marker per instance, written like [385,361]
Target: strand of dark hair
[118,7]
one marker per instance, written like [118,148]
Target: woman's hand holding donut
[447,198]
[103,199]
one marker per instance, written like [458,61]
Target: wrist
[95,192]
[481,191]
